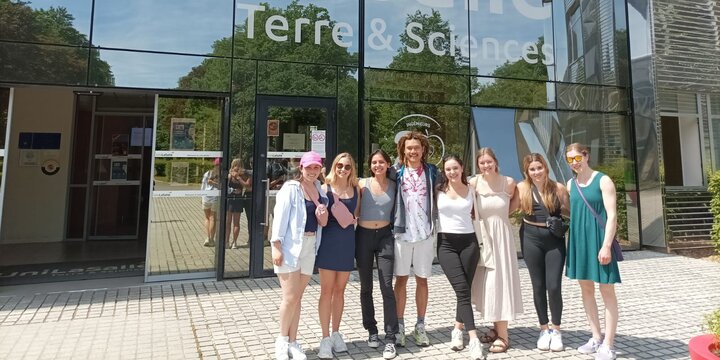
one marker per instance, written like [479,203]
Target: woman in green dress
[590,258]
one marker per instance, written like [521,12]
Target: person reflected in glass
[336,255]
[246,196]
[544,253]
[457,249]
[590,259]
[235,209]
[496,291]
[211,181]
[375,242]
[300,213]
[413,229]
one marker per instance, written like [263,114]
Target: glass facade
[547,74]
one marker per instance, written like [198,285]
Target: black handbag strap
[540,201]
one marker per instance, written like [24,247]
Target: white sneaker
[338,344]
[209,243]
[605,352]
[543,342]
[281,348]
[590,347]
[296,351]
[456,340]
[389,352]
[400,338]
[373,341]
[475,348]
[420,335]
[556,343]
[325,350]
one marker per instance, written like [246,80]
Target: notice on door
[317,142]
[293,141]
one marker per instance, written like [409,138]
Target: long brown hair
[548,193]
[489,152]
[413,135]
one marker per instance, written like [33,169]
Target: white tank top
[454,215]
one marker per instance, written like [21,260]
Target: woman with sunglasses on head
[544,252]
[336,255]
[496,290]
[300,213]
[457,248]
[590,258]
[375,242]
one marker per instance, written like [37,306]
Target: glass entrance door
[285,128]
[183,234]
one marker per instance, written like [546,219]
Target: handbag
[555,224]
[321,213]
[341,213]
[483,237]
[616,248]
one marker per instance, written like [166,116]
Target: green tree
[53,64]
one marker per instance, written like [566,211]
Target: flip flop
[499,348]
[489,336]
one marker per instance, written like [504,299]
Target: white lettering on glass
[270,26]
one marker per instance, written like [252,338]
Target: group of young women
[310,230]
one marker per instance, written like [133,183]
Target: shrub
[714,189]
[617,171]
[712,321]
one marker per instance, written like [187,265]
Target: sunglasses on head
[347,167]
[576,158]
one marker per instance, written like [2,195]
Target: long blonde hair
[548,193]
[352,177]
[489,152]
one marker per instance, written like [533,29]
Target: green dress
[586,236]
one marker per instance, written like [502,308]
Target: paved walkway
[662,301]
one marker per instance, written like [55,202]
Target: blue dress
[337,246]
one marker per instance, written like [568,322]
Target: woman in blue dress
[336,255]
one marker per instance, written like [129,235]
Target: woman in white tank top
[457,248]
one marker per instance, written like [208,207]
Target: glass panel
[446,126]
[424,37]
[347,121]
[677,102]
[301,31]
[181,26]
[413,86]
[184,223]
[81,140]
[514,93]
[715,140]
[76,213]
[714,105]
[115,211]
[46,21]
[511,39]
[296,79]
[591,98]
[162,71]
[43,63]
[4,108]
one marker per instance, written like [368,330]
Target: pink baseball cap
[310,158]
[217,161]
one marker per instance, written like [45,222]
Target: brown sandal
[499,348]
[489,336]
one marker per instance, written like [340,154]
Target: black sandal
[499,348]
[488,337]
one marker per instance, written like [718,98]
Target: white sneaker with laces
[590,347]
[543,342]
[456,340]
[556,343]
[338,344]
[605,352]
[209,242]
[475,348]
[281,348]
[389,352]
[420,335]
[296,351]
[325,350]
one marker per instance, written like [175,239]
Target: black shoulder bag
[555,224]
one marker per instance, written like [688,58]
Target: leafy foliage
[714,189]
[49,64]
[712,321]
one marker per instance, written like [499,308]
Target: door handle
[267,201]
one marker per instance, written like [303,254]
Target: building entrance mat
[70,271]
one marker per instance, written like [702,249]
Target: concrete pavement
[662,301]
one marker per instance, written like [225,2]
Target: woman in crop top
[375,241]
[457,248]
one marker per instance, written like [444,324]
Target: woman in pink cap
[299,215]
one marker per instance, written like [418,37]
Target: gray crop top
[377,207]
